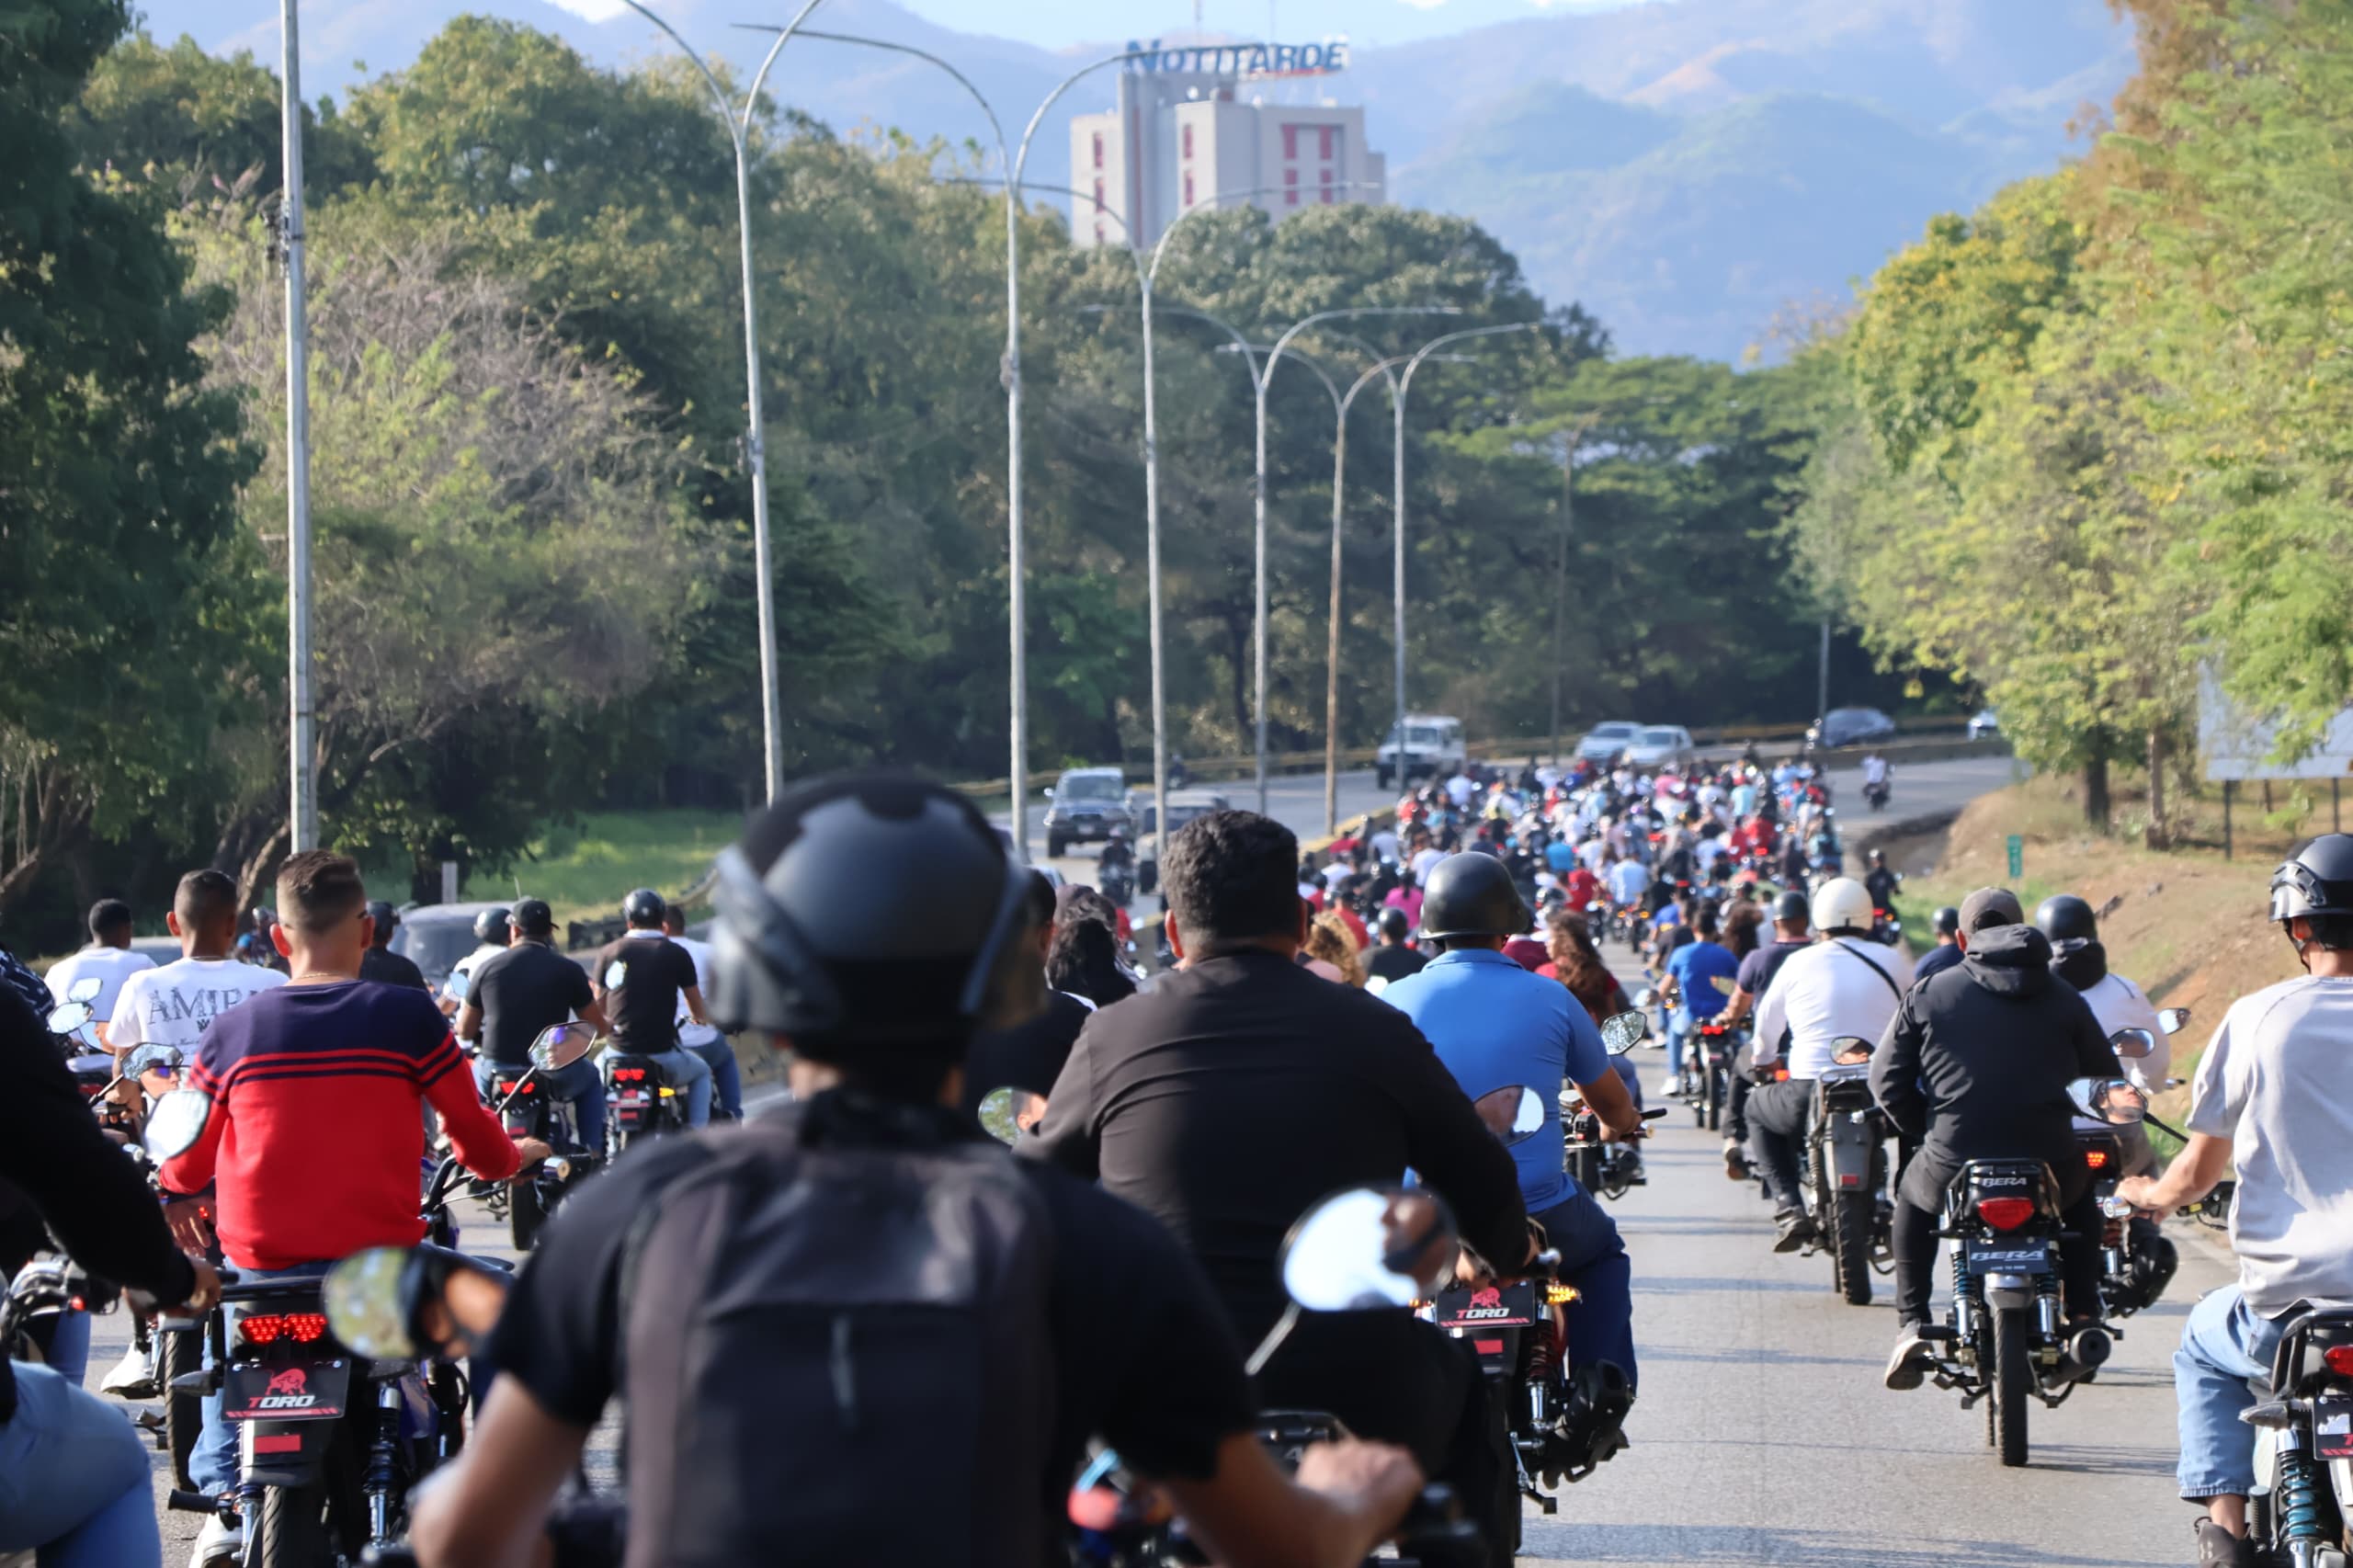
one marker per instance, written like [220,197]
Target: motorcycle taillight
[2005,1213]
[2096,1159]
[2339,1358]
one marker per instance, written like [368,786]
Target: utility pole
[302,816]
[1561,575]
[1822,687]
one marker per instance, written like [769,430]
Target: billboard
[1248,60]
[2239,746]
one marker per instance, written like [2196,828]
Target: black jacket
[1236,1093]
[1978,1058]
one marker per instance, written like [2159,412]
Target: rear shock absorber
[2296,1498]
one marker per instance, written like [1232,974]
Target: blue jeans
[719,1054]
[74,1479]
[580,1086]
[691,1073]
[2223,1345]
[1678,1029]
[212,1467]
[1593,1258]
[64,1341]
[1626,1074]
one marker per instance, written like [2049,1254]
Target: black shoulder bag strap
[1885,978]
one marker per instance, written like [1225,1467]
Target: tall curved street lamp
[739,130]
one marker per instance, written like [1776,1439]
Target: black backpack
[836,1350]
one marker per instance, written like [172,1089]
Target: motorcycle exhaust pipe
[2087,1352]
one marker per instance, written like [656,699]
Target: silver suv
[1088,803]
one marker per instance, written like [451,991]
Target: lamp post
[739,127]
[302,804]
[1570,440]
[1404,385]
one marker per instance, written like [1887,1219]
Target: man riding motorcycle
[1845,986]
[524,990]
[815,905]
[1792,917]
[1494,1025]
[1946,923]
[2272,1103]
[643,980]
[1882,883]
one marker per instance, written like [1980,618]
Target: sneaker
[2220,1548]
[1735,1161]
[1671,1086]
[218,1542]
[1792,1231]
[132,1378]
[1909,1365]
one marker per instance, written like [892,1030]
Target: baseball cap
[531,914]
[1991,906]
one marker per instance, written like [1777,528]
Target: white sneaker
[1671,1085]
[132,1377]
[216,1541]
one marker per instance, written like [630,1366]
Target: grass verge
[584,870]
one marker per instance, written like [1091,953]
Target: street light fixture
[739,128]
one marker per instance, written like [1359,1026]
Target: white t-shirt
[1424,860]
[1384,844]
[2276,1080]
[2118,1003]
[1874,770]
[108,966]
[1628,880]
[176,1002]
[1460,789]
[1591,854]
[690,1032]
[1840,986]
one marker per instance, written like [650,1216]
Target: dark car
[1854,726]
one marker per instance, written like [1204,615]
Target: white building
[1186,138]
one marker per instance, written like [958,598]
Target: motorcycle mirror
[2133,1044]
[175,1123]
[85,989]
[1847,1050]
[1621,1032]
[1008,1114]
[2112,1100]
[153,1059]
[2173,1020]
[67,1017]
[616,975]
[1513,1114]
[1370,1247]
[460,984]
[561,1045]
[402,1304]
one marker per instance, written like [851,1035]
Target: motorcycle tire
[1717,1090]
[177,1353]
[292,1531]
[1851,1246]
[2011,1385]
[526,1212]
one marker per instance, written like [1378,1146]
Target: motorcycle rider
[379,963]
[108,959]
[73,1474]
[1495,1025]
[1394,959]
[525,989]
[174,1004]
[1238,1091]
[1881,882]
[1876,775]
[315,1135]
[1976,1066]
[1028,1056]
[642,980]
[491,938]
[703,1040]
[2079,957]
[2272,1104]
[1702,972]
[1792,923]
[815,907]
[1844,985]
[1946,923]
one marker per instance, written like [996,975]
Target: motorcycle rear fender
[2009,1290]
[298,1465]
[1851,1147]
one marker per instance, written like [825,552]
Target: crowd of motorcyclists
[1427,995]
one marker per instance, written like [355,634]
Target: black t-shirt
[528,988]
[386,967]
[1758,970]
[1029,1057]
[1394,964]
[642,996]
[1148,1361]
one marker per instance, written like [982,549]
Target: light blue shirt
[1496,1025]
[1629,881]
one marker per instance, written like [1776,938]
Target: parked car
[1605,741]
[1184,805]
[1088,803]
[1853,726]
[1655,745]
[1432,748]
[434,937]
[1985,723]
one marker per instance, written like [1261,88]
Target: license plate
[308,1391]
[1510,1306]
[2332,1427]
[2033,1259]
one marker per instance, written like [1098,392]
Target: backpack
[836,1351]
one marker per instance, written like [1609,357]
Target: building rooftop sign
[1246,61]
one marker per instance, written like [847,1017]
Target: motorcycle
[1118,884]
[2137,1259]
[1876,793]
[1845,1188]
[527,1109]
[2005,1338]
[330,1440]
[1714,1048]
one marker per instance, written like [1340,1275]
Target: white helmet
[1842,904]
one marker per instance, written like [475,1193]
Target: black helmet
[2316,879]
[489,926]
[2063,917]
[1946,921]
[1792,908]
[385,916]
[872,910]
[643,907]
[1471,895]
[1393,923]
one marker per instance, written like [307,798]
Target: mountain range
[1686,169]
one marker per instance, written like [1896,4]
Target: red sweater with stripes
[316,1140]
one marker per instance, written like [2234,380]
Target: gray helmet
[2316,879]
[872,910]
[643,907]
[1471,895]
[489,926]
[1792,908]
[2063,917]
